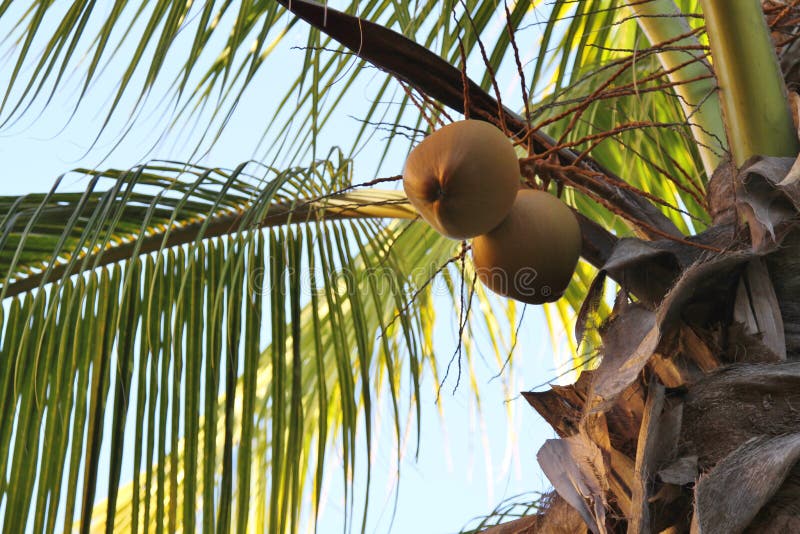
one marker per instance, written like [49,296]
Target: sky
[467,464]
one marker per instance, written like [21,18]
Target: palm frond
[225,47]
[151,312]
[133,337]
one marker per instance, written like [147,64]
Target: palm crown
[151,294]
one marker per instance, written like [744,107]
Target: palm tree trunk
[691,420]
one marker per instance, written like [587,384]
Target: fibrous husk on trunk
[731,495]
[756,307]
[767,196]
[629,341]
[691,418]
[738,403]
[649,454]
[784,269]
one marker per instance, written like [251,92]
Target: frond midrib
[333,208]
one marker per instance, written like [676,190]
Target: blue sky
[467,464]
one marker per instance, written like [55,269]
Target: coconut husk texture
[463,178]
[532,254]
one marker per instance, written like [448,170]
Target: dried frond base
[692,419]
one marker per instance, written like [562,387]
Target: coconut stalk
[753,94]
[684,61]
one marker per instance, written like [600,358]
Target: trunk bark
[691,422]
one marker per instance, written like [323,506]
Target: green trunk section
[661,22]
[754,100]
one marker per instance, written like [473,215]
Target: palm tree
[133,311]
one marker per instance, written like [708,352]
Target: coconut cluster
[464,180]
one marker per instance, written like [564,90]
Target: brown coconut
[532,254]
[463,178]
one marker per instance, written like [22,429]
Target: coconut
[532,254]
[463,178]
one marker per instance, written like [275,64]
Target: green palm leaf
[134,300]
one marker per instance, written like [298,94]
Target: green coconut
[463,178]
[532,254]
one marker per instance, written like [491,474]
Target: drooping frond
[211,53]
[166,204]
[142,343]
